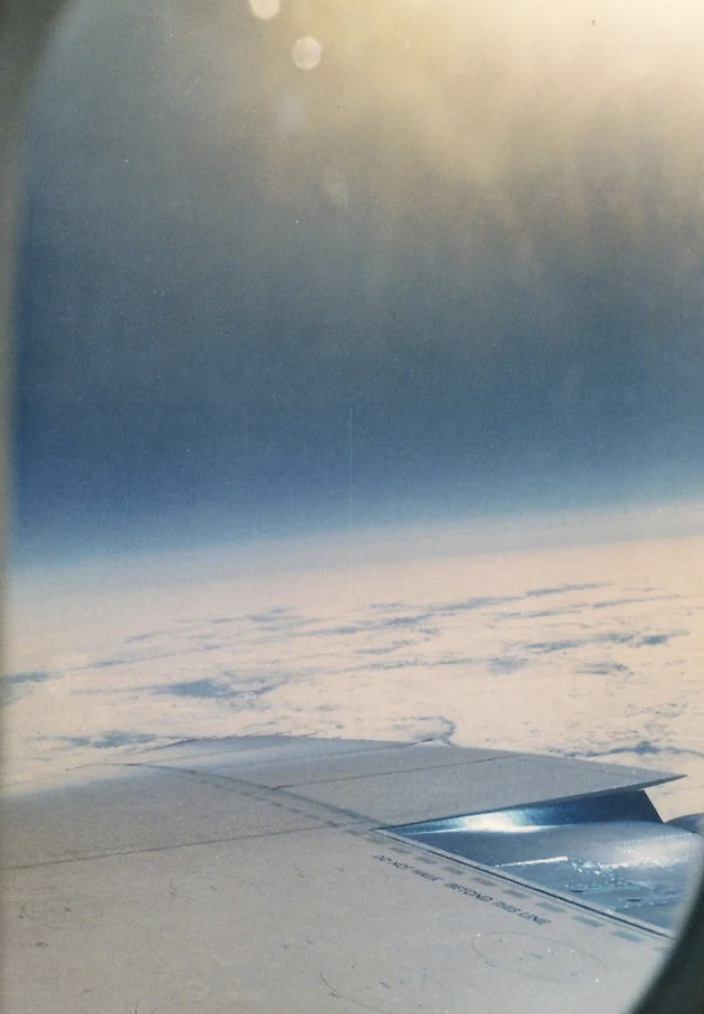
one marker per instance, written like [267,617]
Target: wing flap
[478,784]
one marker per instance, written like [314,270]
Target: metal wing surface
[272,874]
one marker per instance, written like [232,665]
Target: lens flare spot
[265,9]
[306,53]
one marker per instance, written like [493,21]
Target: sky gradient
[454,268]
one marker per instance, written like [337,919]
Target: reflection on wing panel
[611,851]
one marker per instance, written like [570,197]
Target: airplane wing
[271,874]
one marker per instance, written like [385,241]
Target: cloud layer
[591,651]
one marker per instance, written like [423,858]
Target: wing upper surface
[247,875]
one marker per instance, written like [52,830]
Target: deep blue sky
[455,268]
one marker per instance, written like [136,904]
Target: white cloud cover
[589,650]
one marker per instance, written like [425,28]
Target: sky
[287,269]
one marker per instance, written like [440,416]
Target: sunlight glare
[265,9]
[306,53]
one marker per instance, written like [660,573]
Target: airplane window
[356,528]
